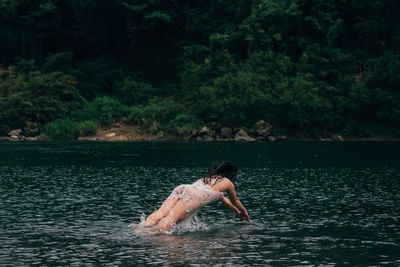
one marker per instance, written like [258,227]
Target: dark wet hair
[222,169]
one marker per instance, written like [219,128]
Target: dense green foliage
[103,109]
[312,66]
[65,129]
[62,129]
[38,97]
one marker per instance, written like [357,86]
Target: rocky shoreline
[261,132]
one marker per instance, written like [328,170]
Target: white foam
[190,224]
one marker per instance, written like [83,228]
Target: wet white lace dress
[198,194]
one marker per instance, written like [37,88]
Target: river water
[311,203]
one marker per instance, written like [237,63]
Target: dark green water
[311,203]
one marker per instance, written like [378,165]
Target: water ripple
[78,214]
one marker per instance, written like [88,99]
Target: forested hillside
[306,66]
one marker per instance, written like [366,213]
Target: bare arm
[236,202]
[229,204]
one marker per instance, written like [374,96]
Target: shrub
[300,104]
[14,111]
[159,111]
[68,129]
[96,77]
[382,79]
[87,128]
[54,95]
[62,129]
[37,97]
[183,124]
[132,92]
[103,109]
[235,94]
[232,99]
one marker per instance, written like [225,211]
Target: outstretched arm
[229,204]
[234,199]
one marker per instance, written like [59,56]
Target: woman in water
[189,198]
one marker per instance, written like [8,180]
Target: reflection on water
[56,211]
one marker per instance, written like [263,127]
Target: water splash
[190,224]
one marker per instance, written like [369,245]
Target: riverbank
[122,132]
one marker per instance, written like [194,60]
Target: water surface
[311,203]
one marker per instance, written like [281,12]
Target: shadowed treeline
[306,66]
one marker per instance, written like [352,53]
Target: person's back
[205,190]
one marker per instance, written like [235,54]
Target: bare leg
[176,214]
[163,211]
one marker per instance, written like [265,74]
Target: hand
[245,215]
[237,212]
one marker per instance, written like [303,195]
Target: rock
[110,135]
[204,138]
[337,137]
[262,128]
[193,135]
[226,132]
[204,132]
[32,139]
[241,135]
[219,138]
[281,137]
[14,137]
[30,129]
[15,132]
[31,132]
[207,138]
[271,138]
